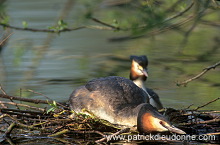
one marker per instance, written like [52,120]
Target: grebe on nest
[120,101]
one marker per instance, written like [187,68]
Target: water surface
[55,64]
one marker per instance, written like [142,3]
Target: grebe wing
[156,99]
[82,98]
[117,90]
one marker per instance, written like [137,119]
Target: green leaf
[62,25]
[50,110]
[5,20]
[25,24]
[54,104]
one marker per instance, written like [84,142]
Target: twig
[64,140]
[59,31]
[59,133]
[198,113]
[155,32]
[205,70]
[3,115]
[29,90]
[22,113]
[7,115]
[180,13]
[172,17]
[189,106]
[9,140]
[209,112]
[23,105]
[125,130]
[21,125]
[108,26]
[105,24]
[214,24]
[92,131]
[75,131]
[36,101]
[5,39]
[201,122]
[3,91]
[56,122]
[10,128]
[42,30]
[207,103]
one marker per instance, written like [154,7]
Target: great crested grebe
[138,74]
[120,101]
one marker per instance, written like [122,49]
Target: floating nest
[57,124]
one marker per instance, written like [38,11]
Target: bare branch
[214,24]
[180,13]
[201,122]
[125,130]
[155,32]
[36,101]
[5,40]
[10,128]
[22,105]
[207,103]
[29,90]
[108,26]
[105,24]
[3,91]
[205,70]
[42,30]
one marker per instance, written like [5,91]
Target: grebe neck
[140,83]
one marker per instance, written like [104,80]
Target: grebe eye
[140,67]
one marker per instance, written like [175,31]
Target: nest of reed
[22,123]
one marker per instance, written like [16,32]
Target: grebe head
[150,120]
[139,67]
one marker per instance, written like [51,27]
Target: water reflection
[56,64]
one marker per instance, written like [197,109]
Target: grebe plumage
[120,101]
[139,74]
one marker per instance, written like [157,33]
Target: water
[57,64]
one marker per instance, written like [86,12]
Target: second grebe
[138,75]
[120,101]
